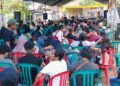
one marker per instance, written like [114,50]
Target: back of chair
[63,78]
[116,46]
[66,46]
[3,65]
[16,56]
[87,77]
[38,55]
[79,47]
[2,42]
[111,36]
[25,73]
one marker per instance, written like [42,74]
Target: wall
[91,12]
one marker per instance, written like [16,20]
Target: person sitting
[29,58]
[57,65]
[60,34]
[4,50]
[87,54]
[9,77]
[71,36]
[115,81]
[35,36]
[22,40]
[85,42]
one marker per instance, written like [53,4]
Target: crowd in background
[48,38]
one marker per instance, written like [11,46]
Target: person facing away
[34,38]
[22,40]
[87,54]
[9,77]
[29,58]
[7,34]
[4,50]
[57,65]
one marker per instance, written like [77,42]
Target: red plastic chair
[63,79]
[16,56]
[107,67]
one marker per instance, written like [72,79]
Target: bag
[46,79]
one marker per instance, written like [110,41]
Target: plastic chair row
[88,76]
[26,74]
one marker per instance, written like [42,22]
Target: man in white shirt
[56,66]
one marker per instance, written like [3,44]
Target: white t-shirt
[53,68]
[60,35]
[75,43]
[88,43]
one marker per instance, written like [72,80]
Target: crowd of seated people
[48,38]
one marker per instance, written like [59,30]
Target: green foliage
[9,6]
[88,2]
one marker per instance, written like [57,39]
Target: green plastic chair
[66,46]
[88,77]
[25,73]
[79,48]
[4,65]
[2,42]
[117,53]
[111,36]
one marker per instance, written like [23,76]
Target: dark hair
[59,53]
[36,34]
[87,52]
[4,49]
[105,44]
[33,24]
[70,30]
[29,45]
[83,36]
[26,29]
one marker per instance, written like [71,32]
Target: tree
[9,6]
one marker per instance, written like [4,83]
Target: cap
[11,21]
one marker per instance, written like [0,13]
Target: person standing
[8,35]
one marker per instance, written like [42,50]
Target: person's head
[105,43]
[57,54]
[62,28]
[29,47]
[4,50]
[101,24]
[83,36]
[12,24]
[36,35]
[32,23]
[87,52]
[25,29]
[70,30]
